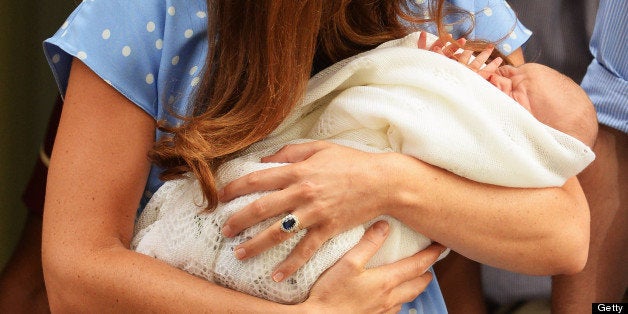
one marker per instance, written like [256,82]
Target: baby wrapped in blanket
[393,98]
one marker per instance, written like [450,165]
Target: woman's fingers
[410,268]
[274,235]
[301,253]
[262,180]
[272,178]
[409,290]
[371,241]
[296,152]
[270,205]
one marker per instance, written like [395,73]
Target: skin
[512,244]
[459,277]
[526,84]
[87,228]
[604,278]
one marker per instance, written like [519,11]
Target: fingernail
[382,228]
[240,253]
[278,276]
[226,231]
[443,248]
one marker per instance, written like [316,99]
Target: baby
[393,98]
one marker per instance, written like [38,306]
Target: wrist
[403,187]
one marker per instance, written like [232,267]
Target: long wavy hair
[260,58]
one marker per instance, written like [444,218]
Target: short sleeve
[151,51]
[143,49]
[116,43]
[495,21]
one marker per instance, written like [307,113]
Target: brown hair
[260,58]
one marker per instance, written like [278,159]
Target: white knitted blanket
[393,98]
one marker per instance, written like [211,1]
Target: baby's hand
[449,49]
[487,71]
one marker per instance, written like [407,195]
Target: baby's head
[551,97]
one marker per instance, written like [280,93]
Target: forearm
[516,58]
[536,231]
[97,174]
[115,279]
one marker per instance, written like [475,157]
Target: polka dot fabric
[495,22]
[153,51]
[150,51]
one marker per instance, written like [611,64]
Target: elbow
[573,256]
[571,232]
[62,278]
[570,247]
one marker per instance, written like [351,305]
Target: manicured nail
[240,253]
[278,276]
[227,231]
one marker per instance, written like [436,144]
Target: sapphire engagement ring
[290,223]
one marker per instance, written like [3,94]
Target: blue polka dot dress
[152,52]
[495,22]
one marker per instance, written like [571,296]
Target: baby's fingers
[422,43]
[451,48]
[492,66]
[480,59]
[464,57]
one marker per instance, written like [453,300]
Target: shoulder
[141,48]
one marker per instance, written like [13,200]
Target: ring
[290,223]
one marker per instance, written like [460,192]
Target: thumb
[507,71]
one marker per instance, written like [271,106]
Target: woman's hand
[330,188]
[347,287]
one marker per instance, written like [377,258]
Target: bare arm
[536,231]
[97,174]
[516,58]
